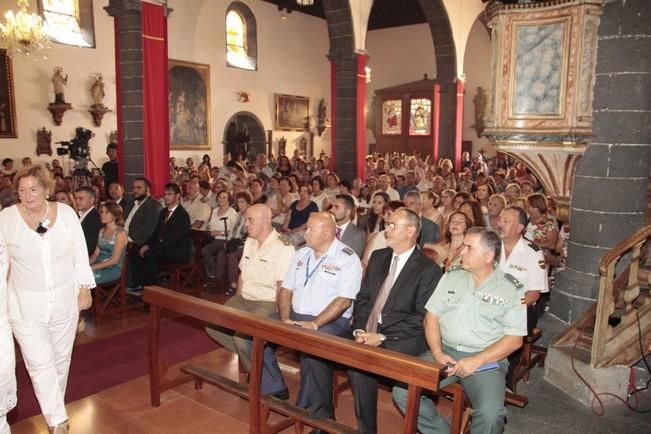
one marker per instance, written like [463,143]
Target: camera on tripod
[78,147]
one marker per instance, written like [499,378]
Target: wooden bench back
[416,373]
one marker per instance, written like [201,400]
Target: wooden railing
[416,373]
[616,342]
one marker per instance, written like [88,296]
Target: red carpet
[117,359]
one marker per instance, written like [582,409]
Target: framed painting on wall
[292,112]
[189,105]
[7,100]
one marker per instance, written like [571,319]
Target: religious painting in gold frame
[189,105]
[292,112]
[7,98]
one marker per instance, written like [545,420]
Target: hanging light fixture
[23,32]
[305,2]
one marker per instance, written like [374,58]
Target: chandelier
[23,32]
[305,2]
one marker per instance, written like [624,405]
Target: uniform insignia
[493,299]
[348,251]
[533,246]
[514,281]
[299,264]
[455,268]
[542,264]
[331,267]
[284,239]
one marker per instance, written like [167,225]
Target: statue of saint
[97,92]
[58,83]
[479,101]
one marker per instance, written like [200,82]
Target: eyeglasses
[40,229]
[392,225]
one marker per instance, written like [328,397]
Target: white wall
[396,56]
[33,91]
[477,70]
[291,60]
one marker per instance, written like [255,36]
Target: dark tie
[162,228]
[338,234]
[380,301]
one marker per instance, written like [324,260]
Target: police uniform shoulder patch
[514,281]
[347,250]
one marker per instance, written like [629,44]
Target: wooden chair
[186,277]
[111,298]
[532,355]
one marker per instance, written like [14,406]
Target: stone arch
[244,133]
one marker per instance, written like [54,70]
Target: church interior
[559,86]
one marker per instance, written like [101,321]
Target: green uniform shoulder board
[348,251]
[455,268]
[514,281]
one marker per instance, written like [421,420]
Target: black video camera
[77,148]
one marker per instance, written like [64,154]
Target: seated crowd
[416,258]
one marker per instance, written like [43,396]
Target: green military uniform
[471,319]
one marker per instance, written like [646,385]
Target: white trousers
[47,350]
[4,426]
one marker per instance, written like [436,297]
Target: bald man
[317,294]
[265,261]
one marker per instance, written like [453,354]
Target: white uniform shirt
[45,270]
[264,265]
[316,282]
[527,265]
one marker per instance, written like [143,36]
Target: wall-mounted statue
[479,101]
[58,83]
[282,145]
[43,142]
[97,92]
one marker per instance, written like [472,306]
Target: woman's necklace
[42,225]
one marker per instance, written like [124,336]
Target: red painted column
[333,115]
[360,117]
[437,122]
[459,126]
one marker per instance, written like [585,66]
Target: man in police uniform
[525,261]
[265,261]
[474,320]
[317,293]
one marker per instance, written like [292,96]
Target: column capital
[117,8]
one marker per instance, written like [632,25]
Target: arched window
[241,37]
[69,22]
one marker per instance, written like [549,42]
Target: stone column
[609,199]
[128,16]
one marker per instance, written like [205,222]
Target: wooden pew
[416,373]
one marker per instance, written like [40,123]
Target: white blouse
[7,356]
[45,271]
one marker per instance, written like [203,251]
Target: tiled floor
[125,408]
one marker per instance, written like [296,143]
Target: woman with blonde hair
[49,283]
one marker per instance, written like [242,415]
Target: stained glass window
[392,117]
[237,47]
[420,119]
[63,22]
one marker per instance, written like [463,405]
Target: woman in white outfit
[7,358]
[49,283]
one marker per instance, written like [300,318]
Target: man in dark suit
[141,221]
[90,221]
[389,312]
[116,194]
[343,210]
[429,231]
[171,241]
